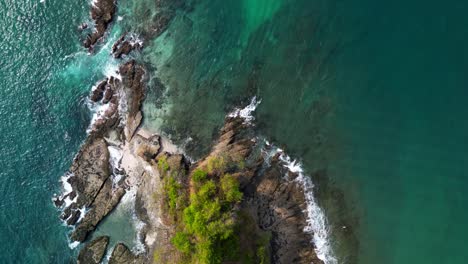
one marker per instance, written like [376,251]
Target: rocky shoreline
[118,156]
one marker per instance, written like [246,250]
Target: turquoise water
[43,122]
[369,96]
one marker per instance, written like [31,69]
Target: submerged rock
[94,251]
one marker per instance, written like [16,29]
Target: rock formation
[102,12]
[271,212]
[122,255]
[94,251]
[124,45]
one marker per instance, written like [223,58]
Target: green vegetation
[216,164]
[172,189]
[209,228]
[230,188]
[205,233]
[163,166]
[199,175]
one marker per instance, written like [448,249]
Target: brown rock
[122,255]
[106,200]
[102,13]
[94,251]
[134,88]
[97,94]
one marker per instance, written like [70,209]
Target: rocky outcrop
[94,251]
[102,12]
[122,255]
[133,81]
[94,190]
[271,214]
[124,45]
[272,197]
[279,205]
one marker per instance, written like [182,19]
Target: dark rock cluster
[102,12]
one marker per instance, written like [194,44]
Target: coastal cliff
[238,204]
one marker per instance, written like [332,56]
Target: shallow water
[369,96]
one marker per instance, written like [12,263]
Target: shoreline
[117,140]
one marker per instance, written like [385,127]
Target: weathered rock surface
[272,199]
[132,79]
[279,203]
[123,255]
[94,251]
[271,195]
[93,188]
[124,46]
[102,12]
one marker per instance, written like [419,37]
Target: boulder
[122,255]
[94,251]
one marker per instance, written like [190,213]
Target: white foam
[135,39]
[83,212]
[67,201]
[115,155]
[66,185]
[73,245]
[246,112]
[111,69]
[67,189]
[98,112]
[316,220]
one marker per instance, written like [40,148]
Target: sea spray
[316,219]
[246,112]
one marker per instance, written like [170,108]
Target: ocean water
[43,122]
[369,96]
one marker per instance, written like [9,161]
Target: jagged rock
[149,148]
[93,186]
[108,93]
[83,26]
[75,215]
[124,46]
[106,200]
[271,195]
[122,255]
[102,13]
[132,79]
[94,251]
[97,94]
[90,170]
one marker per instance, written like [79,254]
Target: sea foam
[246,112]
[316,219]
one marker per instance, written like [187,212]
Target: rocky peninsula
[239,204]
